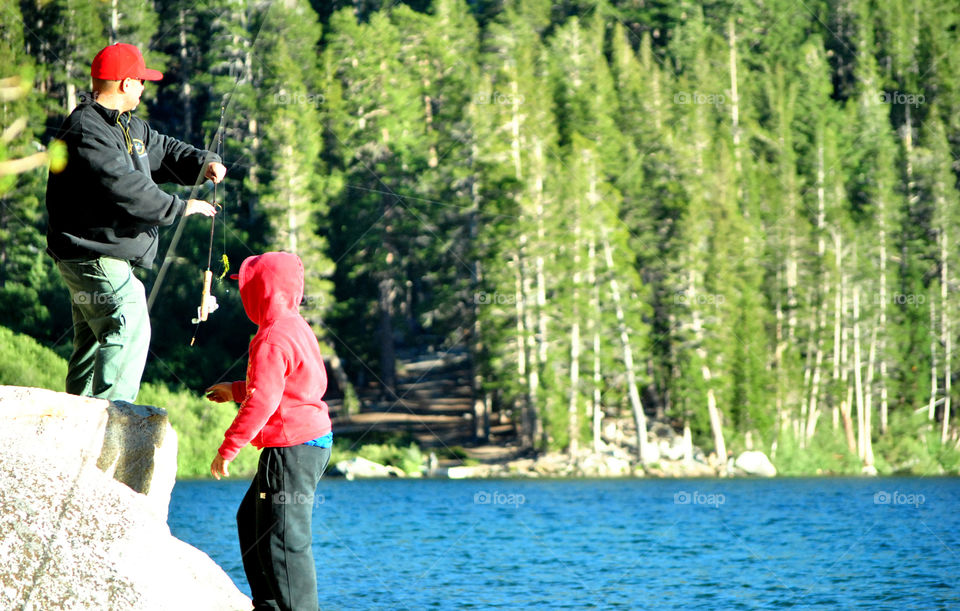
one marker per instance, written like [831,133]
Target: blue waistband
[321,442]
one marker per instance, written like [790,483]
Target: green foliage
[826,454]
[26,362]
[912,446]
[409,458]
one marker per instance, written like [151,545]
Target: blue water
[839,543]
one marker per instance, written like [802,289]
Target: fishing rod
[208,302]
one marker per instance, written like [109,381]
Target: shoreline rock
[84,491]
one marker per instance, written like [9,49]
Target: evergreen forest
[736,217]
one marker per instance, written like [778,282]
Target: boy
[281,411]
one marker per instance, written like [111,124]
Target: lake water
[837,543]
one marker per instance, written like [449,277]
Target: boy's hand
[220,393]
[219,467]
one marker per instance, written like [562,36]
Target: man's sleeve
[265,382]
[129,189]
[174,161]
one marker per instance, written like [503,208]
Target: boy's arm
[264,388]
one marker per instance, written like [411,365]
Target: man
[104,210]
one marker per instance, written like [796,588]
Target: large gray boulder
[84,489]
[755,463]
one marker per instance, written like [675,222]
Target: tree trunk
[388,359]
[932,405]
[481,399]
[813,411]
[573,407]
[735,108]
[858,376]
[186,89]
[716,419]
[842,336]
[945,332]
[114,22]
[526,419]
[343,381]
[882,347]
[596,406]
[639,418]
[868,403]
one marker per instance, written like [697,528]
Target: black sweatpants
[274,522]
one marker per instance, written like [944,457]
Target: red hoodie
[282,397]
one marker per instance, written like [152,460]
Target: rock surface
[361,467]
[755,463]
[74,532]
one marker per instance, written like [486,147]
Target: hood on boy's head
[271,285]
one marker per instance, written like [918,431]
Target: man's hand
[198,206]
[215,171]
[220,393]
[219,467]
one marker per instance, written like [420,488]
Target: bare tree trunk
[481,398]
[71,99]
[388,359]
[594,328]
[932,406]
[779,351]
[538,179]
[837,320]
[114,22]
[881,206]
[526,410]
[573,407]
[846,401]
[716,420]
[945,332]
[735,107]
[868,404]
[186,89]
[857,375]
[813,413]
[533,373]
[639,418]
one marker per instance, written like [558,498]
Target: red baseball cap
[120,61]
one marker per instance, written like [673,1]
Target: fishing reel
[208,302]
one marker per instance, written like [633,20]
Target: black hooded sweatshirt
[106,201]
